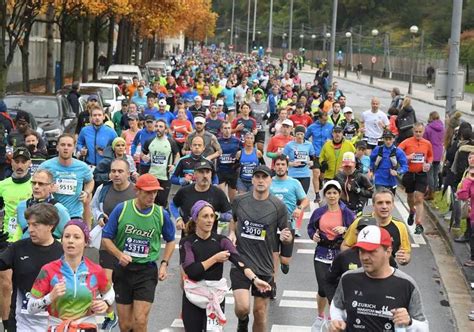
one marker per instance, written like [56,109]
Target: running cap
[333,184]
[337,128]
[372,237]
[388,134]
[149,117]
[148,182]
[287,122]
[82,225]
[162,102]
[347,109]
[199,119]
[300,129]
[366,221]
[197,98]
[219,102]
[198,206]
[93,97]
[22,152]
[262,169]
[205,164]
[299,105]
[348,159]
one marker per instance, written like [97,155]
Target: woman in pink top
[326,227]
[129,134]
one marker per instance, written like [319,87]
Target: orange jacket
[422,150]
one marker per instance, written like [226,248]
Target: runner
[244,123]
[26,258]
[332,152]
[43,188]
[377,296]
[419,152]
[212,149]
[248,158]
[258,216]
[133,235]
[259,111]
[350,125]
[278,142]
[214,122]
[143,135]
[300,118]
[373,122]
[226,163]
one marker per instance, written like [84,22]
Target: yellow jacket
[333,157]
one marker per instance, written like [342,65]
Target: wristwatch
[164,261]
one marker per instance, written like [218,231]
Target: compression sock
[5,324]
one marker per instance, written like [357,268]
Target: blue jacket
[141,137]
[320,134]
[273,103]
[94,138]
[382,176]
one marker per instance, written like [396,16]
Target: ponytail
[190,228]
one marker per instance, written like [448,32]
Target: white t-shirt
[371,123]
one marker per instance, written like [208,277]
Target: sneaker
[411,218]
[419,229]
[461,239]
[243,325]
[297,233]
[317,198]
[274,291]
[109,324]
[285,268]
[469,263]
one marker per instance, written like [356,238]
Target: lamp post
[283,43]
[348,36]
[313,38]
[374,33]
[413,31]
[258,38]
[328,35]
[302,40]
[232,21]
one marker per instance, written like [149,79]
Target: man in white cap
[349,125]
[376,297]
[212,146]
[197,109]
[163,113]
[277,143]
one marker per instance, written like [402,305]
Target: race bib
[301,156]
[253,231]
[12,225]
[372,140]
[179,135]
[66,186]
[418,158]
[206,102]
[248,169]
[226,159]
[212,324]
[259,126]
[159,159]
[136,248]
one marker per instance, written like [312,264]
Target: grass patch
[469,88]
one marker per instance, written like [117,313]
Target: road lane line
[302,294]
[177,323]
[305,251]
[304,241]
[290,328]
[417,238]
[298,304]
[176,246]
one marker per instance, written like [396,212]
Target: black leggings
[194,318]
[305,182]
[321,269]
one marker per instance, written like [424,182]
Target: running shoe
[274,291]
[243,325]
[109,324]
[285,268]
[411,218]
[419,229]
[297,233]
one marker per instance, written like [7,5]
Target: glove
[324,166]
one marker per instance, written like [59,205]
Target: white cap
[348,159]
[332,183]
[197,98]
[220,102]
[255,81]
[199,119]
[287,122]
[162,102]
[347,109]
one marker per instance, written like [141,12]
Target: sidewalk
[420,91]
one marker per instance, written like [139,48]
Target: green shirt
[139,235]
[117,119]
[161,156]
[12,193]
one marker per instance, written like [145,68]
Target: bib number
[12,225]
[226,159]
[159,159]
[418,158]
[253,231]
[212,324]
[136,248]
[66,186]
[259,126]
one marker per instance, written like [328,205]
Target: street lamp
[348,36]
[302,40]
[313,38]
[328,35]
[258,37]
[374,33]
[413,31]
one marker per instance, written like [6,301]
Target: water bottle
[400,328]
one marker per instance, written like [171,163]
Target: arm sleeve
[36,305]
[312,225]
[415,310]
[81,143]
[175,178]
[147,145]
[6,258]
[95,205]
[404,238]
[373,156]
[168,230]
[337,305]
[110,229]
[193,269]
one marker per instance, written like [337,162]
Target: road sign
[231,46]
[441,85]
[268,50]
[373,59]
[289,56]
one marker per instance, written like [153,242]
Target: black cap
[314,88]
[22,115]
[125,102]
[337,128]
[262,169]
[204,164]
[299,105]
[149,117]
[366,221]
[300,129]
[21,152]
[151,94]
[361,145]
[388,134]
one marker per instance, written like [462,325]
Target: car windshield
[107,93]
[121,73]
[37,106]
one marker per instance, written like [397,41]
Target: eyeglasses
[41,184]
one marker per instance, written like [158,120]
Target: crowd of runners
[227,151]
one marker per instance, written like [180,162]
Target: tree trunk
[76,76]
[95,38]
[121,41]
[137,48]
[3,63]
[85,54]
[128,59]
[25,55]
[62,53]
[110,41]
[50,50]
[152,46]
[144,58]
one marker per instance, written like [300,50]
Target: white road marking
[414,245]
[417,238]
[307,214]
[176,246]
[305,251]
[177,323]
[303,241]
[298,304]
[229,300]
[302,294]
[290,328]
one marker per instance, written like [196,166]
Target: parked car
[114,79]
[153,66]
[125,70]
[53,114]
[110,93]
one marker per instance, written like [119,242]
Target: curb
[388,90]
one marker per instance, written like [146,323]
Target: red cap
[372,237]
[148,182]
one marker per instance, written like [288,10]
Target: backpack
[393,156]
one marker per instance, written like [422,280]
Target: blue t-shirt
[290,191]
[167,116]
[299,152]
[229,97]
[140,101]
[69,181]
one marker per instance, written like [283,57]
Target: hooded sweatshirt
[434,132]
